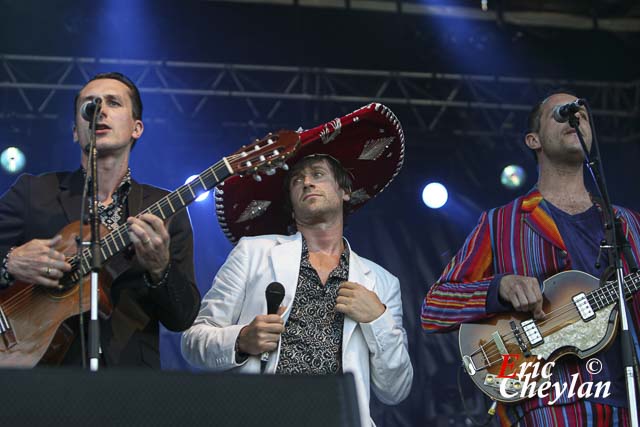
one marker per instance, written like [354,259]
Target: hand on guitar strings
[151,241]
[523,293]
[38,262]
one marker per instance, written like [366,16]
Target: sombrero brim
[368,142]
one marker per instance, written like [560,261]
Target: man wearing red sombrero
[340,312]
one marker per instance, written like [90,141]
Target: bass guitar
[581,319]
[31,316]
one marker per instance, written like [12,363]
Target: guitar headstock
[265,155]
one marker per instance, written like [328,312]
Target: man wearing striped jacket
[555,227]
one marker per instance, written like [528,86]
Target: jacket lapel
[285,264]
[122,262]
[70,196]
[361,274]
[136,198]
[540,220]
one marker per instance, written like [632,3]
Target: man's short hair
[535,114]
[134,94]
[343,177]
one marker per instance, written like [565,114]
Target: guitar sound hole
[69,280]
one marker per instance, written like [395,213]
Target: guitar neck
[608,294]
[164,208]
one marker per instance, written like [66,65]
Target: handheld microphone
[274,295]
[562,113]
[90,108]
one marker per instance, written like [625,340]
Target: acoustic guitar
[31,316]
[581,319]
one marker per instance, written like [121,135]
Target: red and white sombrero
[368,142]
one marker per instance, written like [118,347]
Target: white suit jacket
[376,353]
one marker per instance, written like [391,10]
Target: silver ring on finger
[146,241]
[48,272]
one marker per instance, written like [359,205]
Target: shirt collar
[123,188]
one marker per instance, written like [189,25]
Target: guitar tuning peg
[257,177]
[285,167]
[270,171]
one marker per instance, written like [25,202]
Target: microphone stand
[96,261]
[614,251]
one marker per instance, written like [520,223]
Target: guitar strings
[543,326]
[165,202]
[489,354]
[558,317]
[598,293]
[18,298]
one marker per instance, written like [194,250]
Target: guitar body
[35,314]
[564,331]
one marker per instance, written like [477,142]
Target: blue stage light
[202,196]
[12,160]
[435,195]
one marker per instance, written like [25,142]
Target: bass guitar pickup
[583,306]
[532,332]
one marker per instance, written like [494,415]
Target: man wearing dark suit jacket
[153,281]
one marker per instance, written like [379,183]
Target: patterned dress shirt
[312,340]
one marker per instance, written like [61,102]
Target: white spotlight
[12,160]
[435,195]
[513,176]
[201,197]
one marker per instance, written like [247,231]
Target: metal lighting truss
[549,14]
[266,97]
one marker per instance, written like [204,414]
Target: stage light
[513,176]
[201,197]
[484,4]
[434,195]
[12,160]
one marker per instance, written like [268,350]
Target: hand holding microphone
[262,335]
[274,295]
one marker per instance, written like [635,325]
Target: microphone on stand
[90,108]
[274,295]
[562,113]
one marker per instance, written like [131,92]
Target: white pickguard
[582,335]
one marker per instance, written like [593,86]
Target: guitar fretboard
[118,239]
[608,294]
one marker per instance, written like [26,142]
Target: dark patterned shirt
[312,340]
[116,212]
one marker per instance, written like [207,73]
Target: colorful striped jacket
[518,238]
